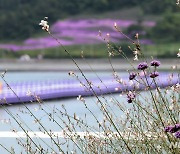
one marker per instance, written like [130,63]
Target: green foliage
[158,6]
[168,50]
[19,18]
[167,29]
[161,50]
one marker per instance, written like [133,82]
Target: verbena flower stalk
[165,104]
[106,112]
[153,75]
[143,66]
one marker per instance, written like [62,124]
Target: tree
[168,28]
[158,6]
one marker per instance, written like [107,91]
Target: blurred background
[30,55]
[77,23]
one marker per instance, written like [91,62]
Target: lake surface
[72,106]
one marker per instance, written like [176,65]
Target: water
[28,122]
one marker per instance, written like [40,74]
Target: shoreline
[85,65]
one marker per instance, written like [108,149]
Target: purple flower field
[77,32]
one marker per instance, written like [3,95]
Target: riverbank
[85,65]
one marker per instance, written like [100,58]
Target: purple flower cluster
[173,129]
[154,74]
[142,66]
[132,76]
[76,32]
[155,63]
[177,134]
[130,96]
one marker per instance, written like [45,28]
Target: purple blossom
[169,129]
[155,63]
[129,100]
[142,66]
[132,76]
[154,74]
[130,96]
[77,32]
[172,129]
[177,134]
[177,126]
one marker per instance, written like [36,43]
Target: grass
[54,53]
[168,50]
[165,50]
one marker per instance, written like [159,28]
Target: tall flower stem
[112,122]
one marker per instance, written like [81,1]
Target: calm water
[72,105]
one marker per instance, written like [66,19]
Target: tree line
[19,18]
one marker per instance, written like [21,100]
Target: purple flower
[177,126]
[130,96]
[177,134]
[154,74]
[169,129]
[132,76]
[172,129]
[155,63]
[129,100]
[142,66]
